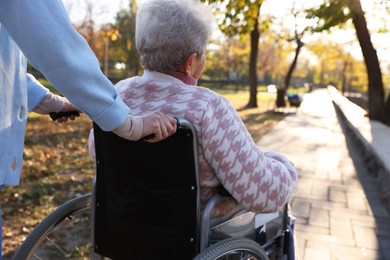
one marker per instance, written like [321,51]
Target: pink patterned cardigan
[259,181]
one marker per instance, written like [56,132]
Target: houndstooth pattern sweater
[259,181]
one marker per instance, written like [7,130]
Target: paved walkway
[337,206]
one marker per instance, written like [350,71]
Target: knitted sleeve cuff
[50,103]
[131,129]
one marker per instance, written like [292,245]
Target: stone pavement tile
[382,229]
[327,158]
[343,252]
[368,222]
[314,198]
[300,207]
[365,237]
[301,243]
[297,159]
[320,172]
[365,255]
[319,235]
[304,185]
[320,203]
[352,182]
[320,189]
[347,173]
[337,196]
[319,218]
[357,218]
[335,177]
[311,229]
[356,201]
[322,254]
[301,221]
[340,226]
[307,167]
[346,164]
[353,214]
[342,187]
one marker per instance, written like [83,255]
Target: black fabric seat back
[146,197]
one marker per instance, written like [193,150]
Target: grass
[57,167]
[257,120]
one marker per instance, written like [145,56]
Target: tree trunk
[255,35]
[344,80]
[280,97]
[280,100]
[376,106]
[293,64]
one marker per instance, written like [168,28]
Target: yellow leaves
[129,44]
[47,155]
[28,152]
[114,34]
[109,33]
[56,168]
[114,37]
[8,234]
[237,17]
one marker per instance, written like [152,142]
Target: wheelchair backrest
[147,196]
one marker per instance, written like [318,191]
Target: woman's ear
[189,63]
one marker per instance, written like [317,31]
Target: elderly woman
[171,37]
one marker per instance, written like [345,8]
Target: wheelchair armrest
[206,220]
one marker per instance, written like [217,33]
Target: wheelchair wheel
[64,234]
[234,249]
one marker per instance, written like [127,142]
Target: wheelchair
[145,204]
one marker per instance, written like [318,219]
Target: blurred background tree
[241,17]
[338,12]
[123,49]
[250,49]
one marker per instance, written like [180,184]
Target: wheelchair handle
[55,115]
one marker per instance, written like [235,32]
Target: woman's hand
[153,127]
[158,127]
[59,108]
[68,112]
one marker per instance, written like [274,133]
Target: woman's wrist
[50,103]
[131,129]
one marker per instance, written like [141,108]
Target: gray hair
[168,31]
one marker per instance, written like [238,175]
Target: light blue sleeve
[44,33]
[35,91]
